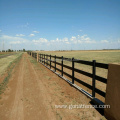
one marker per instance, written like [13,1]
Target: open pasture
[101,56]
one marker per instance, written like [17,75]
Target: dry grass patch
[5,62]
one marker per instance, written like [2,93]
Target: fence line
[43,58]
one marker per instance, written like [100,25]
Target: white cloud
[73,38]
[80,30]
[65,39]
[104,41]
[75,42]
[118,40]
[67,42]
[87,39]
[36,31]
[90,41]
[84,37]
[52,41]
[40,40]
[81,39]
[0,30]
[13,40]
[31,35]
[20,35]
[57,39]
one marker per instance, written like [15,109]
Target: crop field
[30,91]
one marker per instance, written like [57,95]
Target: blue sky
[60,24]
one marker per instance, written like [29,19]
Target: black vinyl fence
[48,59]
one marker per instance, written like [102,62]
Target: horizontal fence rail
[49,59]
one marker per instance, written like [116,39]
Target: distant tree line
[9,50]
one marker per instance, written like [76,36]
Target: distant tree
[3,50]
[9,50]
[23,50]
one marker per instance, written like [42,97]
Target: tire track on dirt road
[17,112]
[43,97]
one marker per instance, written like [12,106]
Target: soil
[33,93]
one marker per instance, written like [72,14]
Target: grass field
[102,56]
[5,62]
[6,66]
[6,53]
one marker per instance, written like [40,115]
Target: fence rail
[44,58]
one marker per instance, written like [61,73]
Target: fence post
[40,57]
[62,66]
[44,59]
[73,70]
[37,57]
[47,60]
[93,79]
[50,61]
[55,63]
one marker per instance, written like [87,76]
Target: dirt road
[34,93]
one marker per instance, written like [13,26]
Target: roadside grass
[5,62]
[58,116]
[12,64]
[35,63]
[6,53]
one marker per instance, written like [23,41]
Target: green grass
[10,67]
